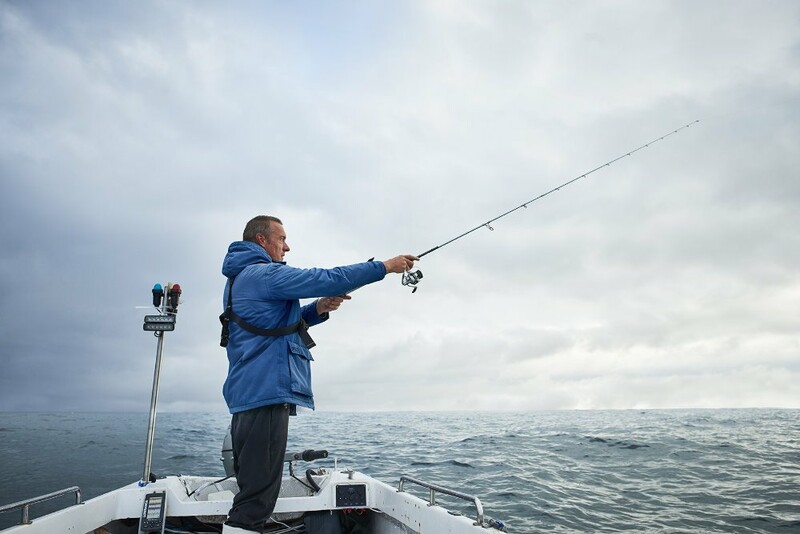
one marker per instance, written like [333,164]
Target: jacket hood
[240,255]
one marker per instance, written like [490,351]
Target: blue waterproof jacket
[265,370]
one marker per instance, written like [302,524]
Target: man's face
[275,243]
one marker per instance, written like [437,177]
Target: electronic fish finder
[153,513]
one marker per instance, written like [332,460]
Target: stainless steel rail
[25,505]
[441,489]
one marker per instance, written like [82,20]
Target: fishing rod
[412,278]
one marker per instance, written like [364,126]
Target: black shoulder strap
[301,327]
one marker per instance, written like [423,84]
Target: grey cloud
[137,142]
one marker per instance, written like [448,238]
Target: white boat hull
[390,511]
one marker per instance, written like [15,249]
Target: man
[269,372]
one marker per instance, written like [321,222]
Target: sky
[138,138]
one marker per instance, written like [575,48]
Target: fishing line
[412,278]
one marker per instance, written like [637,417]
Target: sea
[550,471]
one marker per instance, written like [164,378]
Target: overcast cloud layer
[137,138]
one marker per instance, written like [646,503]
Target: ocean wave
[724,471]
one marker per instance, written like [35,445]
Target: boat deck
[200,504]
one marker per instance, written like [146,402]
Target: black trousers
[259,446]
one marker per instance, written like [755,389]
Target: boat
[339,499]
[331,500]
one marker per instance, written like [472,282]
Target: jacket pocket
[300,369]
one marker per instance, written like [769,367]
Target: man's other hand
[329,304]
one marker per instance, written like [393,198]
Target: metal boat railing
[441,489]
[26,504]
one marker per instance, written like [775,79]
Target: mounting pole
[167,305]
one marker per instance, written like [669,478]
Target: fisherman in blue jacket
[269,372]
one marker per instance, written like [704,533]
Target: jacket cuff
[382,267]
[310,315]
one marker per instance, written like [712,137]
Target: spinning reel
[412,278]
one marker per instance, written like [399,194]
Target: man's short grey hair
[258,225]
